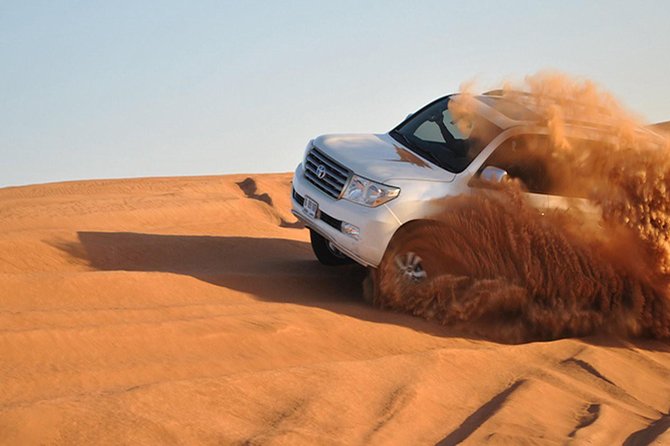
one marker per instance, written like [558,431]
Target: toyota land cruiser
[356,192]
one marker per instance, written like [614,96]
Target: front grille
[297,197]
[332,221]
[335,176]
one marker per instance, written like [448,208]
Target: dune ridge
[191,310]
[663,126]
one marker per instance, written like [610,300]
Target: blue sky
[104,89]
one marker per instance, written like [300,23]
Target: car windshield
[434,134]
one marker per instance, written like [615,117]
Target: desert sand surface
[663,126]
[192,311]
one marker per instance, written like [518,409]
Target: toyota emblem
[321,171]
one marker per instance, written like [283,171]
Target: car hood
[380,158]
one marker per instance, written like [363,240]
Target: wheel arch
[408,226]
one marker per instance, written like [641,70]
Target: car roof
[522,108]
[514,109]
[509,108]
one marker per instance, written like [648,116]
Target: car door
[519,158]
[528,159]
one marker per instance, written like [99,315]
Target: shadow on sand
[272,269]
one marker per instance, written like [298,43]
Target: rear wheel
[326,252]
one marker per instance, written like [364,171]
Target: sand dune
[191,311]
[663,126]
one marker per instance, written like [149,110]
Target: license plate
[310,207]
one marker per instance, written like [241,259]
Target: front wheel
[326,252]
[411,261]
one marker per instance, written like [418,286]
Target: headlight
[369,193]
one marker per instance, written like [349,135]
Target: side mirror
[495,175]
[409,116]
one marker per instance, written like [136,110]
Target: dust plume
[501,267]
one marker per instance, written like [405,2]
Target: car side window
[524,159]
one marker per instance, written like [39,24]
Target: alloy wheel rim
[410,266]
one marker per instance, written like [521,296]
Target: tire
[326,252]
[411,261]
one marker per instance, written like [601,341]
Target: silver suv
[355,192]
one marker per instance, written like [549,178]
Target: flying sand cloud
[511,272]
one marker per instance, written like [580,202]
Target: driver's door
[515,157]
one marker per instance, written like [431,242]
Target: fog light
[350,230]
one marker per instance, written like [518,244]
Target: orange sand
[662,126]
[191,311]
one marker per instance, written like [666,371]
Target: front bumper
[376,225]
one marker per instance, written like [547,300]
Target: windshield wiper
[430,155]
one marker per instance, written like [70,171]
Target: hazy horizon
[136,89]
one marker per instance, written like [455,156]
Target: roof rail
[520,95]
[501,92]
